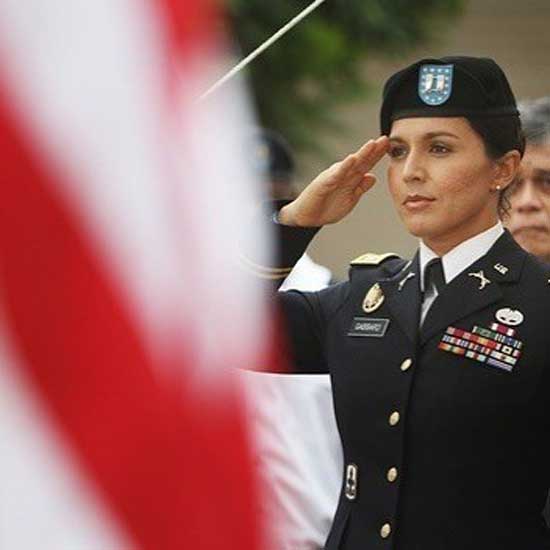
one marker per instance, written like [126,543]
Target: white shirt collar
[461,256]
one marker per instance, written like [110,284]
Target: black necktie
[433,274]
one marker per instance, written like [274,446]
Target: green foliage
[299,80]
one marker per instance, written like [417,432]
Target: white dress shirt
[455,261]
[307,275]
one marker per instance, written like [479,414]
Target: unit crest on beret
[373,259]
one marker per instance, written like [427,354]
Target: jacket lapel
[477,287]
[402,293]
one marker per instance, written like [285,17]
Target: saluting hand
[334,192]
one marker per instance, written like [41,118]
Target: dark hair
[500,135]
[535,120]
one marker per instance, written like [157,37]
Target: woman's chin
[418,227]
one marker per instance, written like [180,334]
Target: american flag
[121,200]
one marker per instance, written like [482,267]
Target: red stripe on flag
[175,475]
[190,24]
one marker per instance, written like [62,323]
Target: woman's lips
[417,202]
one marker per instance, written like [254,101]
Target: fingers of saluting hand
[365,184]
[365,158]
[371,153]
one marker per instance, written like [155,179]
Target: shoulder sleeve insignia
[373,259]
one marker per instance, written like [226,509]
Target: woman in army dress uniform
[440,366]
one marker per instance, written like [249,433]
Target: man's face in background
[529,219]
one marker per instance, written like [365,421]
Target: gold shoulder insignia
[373,259]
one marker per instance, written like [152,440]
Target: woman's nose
[414,169]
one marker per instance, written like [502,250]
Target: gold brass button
[406,365]
[385,530]
[394,418]
[391,475]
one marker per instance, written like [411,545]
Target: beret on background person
[273,160]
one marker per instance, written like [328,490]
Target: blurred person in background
[274,161]
[528,218]
[529,215]
[298,450]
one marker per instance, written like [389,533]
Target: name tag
[367,326]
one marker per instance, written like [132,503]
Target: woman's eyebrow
[427,136]
[431,135]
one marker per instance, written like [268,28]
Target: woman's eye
[544,183]
[439,149]
[397,152]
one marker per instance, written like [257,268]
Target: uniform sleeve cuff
[290,244]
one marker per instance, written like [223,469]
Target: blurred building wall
[515,33]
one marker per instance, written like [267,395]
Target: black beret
[447,87]
[271,156]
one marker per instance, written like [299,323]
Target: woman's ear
[506,169]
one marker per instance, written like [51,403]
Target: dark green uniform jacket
[445,429]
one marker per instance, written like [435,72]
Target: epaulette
[373,259]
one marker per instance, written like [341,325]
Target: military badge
[496,346]
[502,269]
[483,281]
[373,299]
[508,316]
[435,84]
